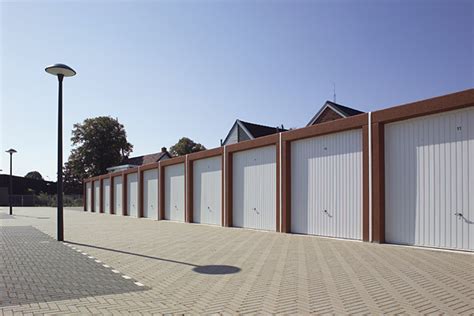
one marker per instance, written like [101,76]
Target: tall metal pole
[60,160]
[11,186]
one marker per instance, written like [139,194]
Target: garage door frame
[142,204]
[105,194]
[328,171]
[441,104]
[161,186]
[97,189]
[129,197]
[354,122]
[242,146]
[191,159]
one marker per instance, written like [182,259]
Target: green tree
[185,146]
[34,175]
[98,143]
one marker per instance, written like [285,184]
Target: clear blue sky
[189,68]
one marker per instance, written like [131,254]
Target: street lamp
[61,71]
[11,151]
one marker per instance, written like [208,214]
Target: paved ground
[197,269]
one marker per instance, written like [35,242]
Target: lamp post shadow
[202,269]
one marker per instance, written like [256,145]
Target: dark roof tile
[258,130]
[145,159]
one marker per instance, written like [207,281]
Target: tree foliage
[185,146]
[98,143]
[34,175]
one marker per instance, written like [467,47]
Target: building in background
[331,111]
[133,162]
[242,131]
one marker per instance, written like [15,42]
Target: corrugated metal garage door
[132,194]
[429,181]
[207,190]
[174,192]
[106,190]
[88,197]
[254,188]
[96,196]
[150,194]
[326,185]
[118,195]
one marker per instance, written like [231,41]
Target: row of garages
[408,179]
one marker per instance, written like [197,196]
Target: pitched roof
[257,130]
[146,159]
[342,110]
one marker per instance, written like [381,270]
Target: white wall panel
[254,188]
[132,194]
[429,177]
[207,190]
[326,185]
[106,190]
[150,193]
[96,196]
[118,195]
[174,192]
[88,196]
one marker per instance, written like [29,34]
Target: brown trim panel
[444,103]
[378,183]
[365,183]
[188,191]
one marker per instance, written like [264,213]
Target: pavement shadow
[35,268]
[206,269]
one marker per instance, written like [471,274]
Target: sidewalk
[197,269]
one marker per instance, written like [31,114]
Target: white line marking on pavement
[139,284]
[115,271]
[126,277]
[98,261]
[90,257]
[105,266]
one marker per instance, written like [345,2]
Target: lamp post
[61,71]
[11,151]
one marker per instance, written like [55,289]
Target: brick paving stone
[274,273]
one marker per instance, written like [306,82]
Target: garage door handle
[327,213]
[458,214]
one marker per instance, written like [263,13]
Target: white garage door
[88,196]
[118,196]
[174,192]
[106,190]
[429,181]
[96,196]
[150,194]
[132,194]
[207,190]
[254,188]
[326,185]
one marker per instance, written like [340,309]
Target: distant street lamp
[61,71]
[11,151]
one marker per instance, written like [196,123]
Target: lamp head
[60,69]
[11,151]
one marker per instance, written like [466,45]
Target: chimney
[163,149]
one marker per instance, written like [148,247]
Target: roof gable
[331,111]
[252,130]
